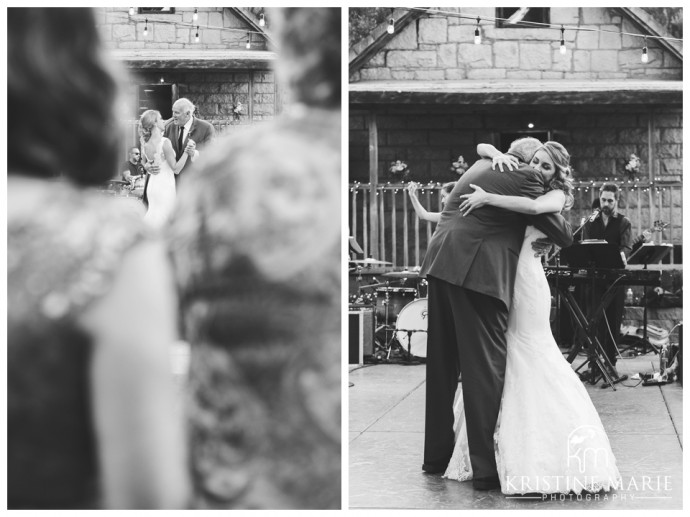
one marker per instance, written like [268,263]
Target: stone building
[230,85]
[426,94]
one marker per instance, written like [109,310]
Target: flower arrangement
[399,169]
[237,110]
[459,166]
[632,168]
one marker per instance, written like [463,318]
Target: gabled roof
[363,51]
[649,25]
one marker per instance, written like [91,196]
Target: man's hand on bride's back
[504,160]
[541,246]
[476,199]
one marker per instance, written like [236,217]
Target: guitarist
[613,227]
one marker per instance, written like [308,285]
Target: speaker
[361,335]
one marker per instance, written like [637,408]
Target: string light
[249,40]
[196,38]
[477,33]
[195,16]
[146,27]
[162,80]
[131,11]
[262,20]
[391,24]
[563,49]
[645,56]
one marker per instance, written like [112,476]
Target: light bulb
[162,80]
[645,55]
[195,16]
[563,49]
[477,37]
[391,26]
[262,20]
[249,44]
[131,11]
[196,38]
[530,125]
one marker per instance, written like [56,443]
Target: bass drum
[414,316]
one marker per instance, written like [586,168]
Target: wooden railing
[401,238]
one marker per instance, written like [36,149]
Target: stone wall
[442,48]
[214,92]
[122,31]
[600,140]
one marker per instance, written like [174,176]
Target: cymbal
[402,274]
[370,262]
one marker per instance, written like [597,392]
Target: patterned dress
[64,247]
[255,243]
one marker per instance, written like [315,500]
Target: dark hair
[310,54]
[610,187]
[562,178]
[61,97]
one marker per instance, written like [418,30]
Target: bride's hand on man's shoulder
[504,160]
[476,199]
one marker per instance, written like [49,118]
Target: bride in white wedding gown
[549,437]
[159,150]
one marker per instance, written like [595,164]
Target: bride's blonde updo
[147,122]
[562,178]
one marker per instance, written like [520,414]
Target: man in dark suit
[471,264]
[187,133]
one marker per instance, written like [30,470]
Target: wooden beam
[373,184]
[182,59]
[517,92]
[653,28]
[381,39]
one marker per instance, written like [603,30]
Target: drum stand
[409,345]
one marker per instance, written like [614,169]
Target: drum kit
[126,189]
[400,309]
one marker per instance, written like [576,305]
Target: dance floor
[386,436]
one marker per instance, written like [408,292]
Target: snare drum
[414,316]
[398,297]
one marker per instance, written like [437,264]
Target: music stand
[593,255]
[648,253]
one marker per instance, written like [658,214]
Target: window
[156,97]
[156,10]
[521,17]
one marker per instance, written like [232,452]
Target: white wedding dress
[549,438]
[160,191]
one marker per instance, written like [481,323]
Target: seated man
[132,168]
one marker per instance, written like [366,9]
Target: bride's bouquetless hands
[507,160]
[476,199]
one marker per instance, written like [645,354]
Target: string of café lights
[433,186]
[192,25]
[644,57]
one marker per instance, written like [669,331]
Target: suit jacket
[480,251]
[201,132]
